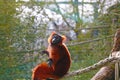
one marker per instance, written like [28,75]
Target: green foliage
[16,41]
[7,10]
[111,18]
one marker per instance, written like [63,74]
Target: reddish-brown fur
[61,62]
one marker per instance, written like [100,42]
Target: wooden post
[117,66]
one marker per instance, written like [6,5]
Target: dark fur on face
[56,39]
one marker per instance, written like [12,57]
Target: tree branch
[88,41]
[109,60]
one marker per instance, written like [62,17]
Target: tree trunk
[108,72]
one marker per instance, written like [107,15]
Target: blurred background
[25,25]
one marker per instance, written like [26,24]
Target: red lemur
[58,63]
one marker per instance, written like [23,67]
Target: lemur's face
[56,39]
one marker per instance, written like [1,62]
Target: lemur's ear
[64,38]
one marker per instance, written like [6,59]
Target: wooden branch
[117,65]
[88,41]
[89,28]
[109,60]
